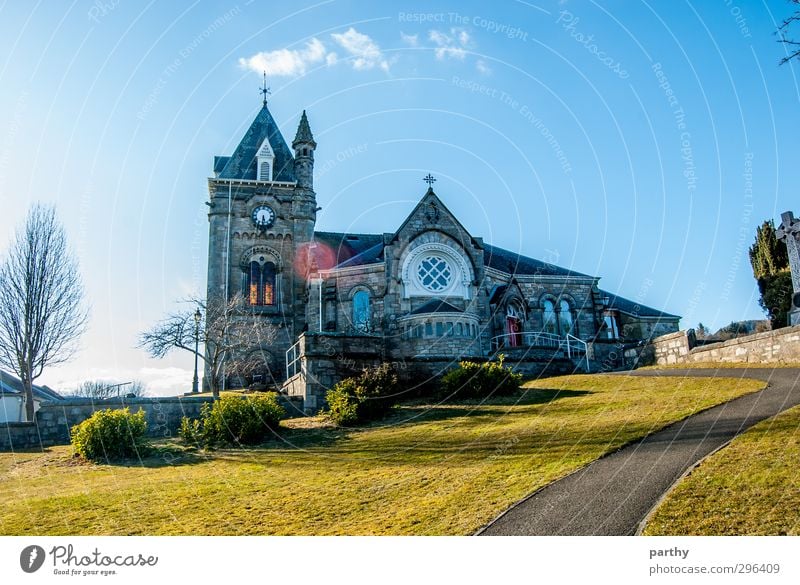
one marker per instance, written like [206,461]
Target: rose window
[434,273]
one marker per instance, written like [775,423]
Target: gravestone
[789,233]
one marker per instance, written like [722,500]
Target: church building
[424,297]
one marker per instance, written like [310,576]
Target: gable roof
[242,163]
[512,263]
[630,307]
[352,249]
[431,199]
[11,385]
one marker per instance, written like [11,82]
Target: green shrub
[474,380]
[235,420]
[190,429]
[110,434]
[365,397]
[342,402]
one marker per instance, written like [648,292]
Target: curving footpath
[614,494]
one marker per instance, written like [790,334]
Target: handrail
[570,344]
[292,359]
[571,339]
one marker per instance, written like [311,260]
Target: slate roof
[304,132]
[633,308]
[512,263]
[436,306]
[352,249]
[12,385]
[242,163]
[220,162]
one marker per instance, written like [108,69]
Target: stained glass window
[260,284]
[361,311]
[268,284]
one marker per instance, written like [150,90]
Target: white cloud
[452,45]
[287,62]
[483,67]
[365,52]
[158,381]
[331,59]
[410,40]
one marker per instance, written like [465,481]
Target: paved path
[612,495]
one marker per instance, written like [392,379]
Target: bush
[110,434]
[190,429]
[235,420]
[342,402]
[474,380]
[365,397]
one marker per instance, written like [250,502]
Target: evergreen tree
[770,262]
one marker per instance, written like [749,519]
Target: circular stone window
[434,273]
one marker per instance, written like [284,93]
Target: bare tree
[793,46]
[229,333]
[102,389]
[42,311]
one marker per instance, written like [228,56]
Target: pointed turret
[304,133]
[304,146]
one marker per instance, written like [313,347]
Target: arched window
[361,311]
[268,284]
[549,317]
[565,322]
[260,284]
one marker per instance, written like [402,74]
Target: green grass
[428,469]
[751,487]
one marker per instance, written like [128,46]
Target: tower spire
[264,90]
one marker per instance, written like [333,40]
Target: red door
[514,328]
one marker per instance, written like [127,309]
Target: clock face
[263,216]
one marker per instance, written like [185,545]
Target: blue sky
[638,141]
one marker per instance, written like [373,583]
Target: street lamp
[197,317]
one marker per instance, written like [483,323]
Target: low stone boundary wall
[163,415]
[767,348]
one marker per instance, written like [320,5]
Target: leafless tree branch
[228,333]
[42,311]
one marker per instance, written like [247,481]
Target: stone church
[423,297]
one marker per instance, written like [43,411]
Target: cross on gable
[430,180]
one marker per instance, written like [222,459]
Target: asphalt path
[614,494]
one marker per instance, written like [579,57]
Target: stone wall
[771,347]
[163,415]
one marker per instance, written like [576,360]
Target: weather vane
[430,180]
[264,90]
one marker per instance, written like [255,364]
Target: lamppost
[197,317]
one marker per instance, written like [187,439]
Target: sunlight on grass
[428,469]
[751,487]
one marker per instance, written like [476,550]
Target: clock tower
[262,212]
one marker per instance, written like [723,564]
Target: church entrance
[513,327]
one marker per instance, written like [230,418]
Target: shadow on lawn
[337,438]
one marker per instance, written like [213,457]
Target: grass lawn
[749,487]
[428,469]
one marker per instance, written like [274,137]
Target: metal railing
[577,346]
[293,365]
[528,339]
[573,347]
